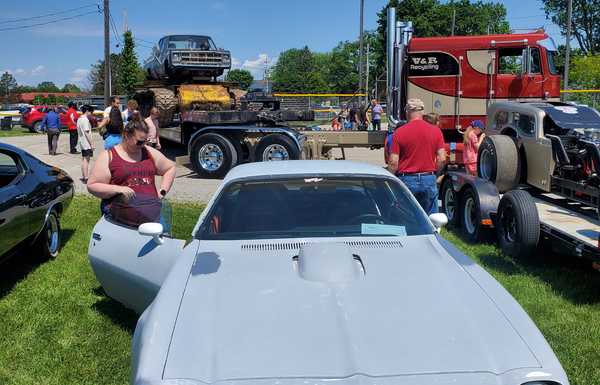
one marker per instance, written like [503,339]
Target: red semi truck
[458,77]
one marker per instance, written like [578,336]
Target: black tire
[166,102]
[276,147]
[213,155]
[470,216]
[450,202]
[498,161]
[48,241]
[36,127]
[517,224]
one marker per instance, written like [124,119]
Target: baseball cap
[477,124]
[415,105]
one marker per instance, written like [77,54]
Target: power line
[144,41]
[114,28]
[47,22]
[49,14]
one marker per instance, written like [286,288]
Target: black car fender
[485,192]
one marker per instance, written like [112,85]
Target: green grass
[16,131]
[57,327]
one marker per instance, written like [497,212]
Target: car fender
[60,204]
[486,193]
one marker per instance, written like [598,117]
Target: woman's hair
[432,118]
[135,124]
[71,105]
[467,133]
[133,104]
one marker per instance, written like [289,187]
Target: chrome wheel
[485,164]
[275,152]
[53,235]
[450,203]
[210,157]
[470,215]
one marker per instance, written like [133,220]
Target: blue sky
[253,30]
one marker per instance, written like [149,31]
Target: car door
[131,267]
[14,224]
[538,150]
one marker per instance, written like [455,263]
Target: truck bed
[561,221]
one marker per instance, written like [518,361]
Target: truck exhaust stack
[398,36]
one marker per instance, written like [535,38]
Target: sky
[255,31]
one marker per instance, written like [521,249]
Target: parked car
[314,271]
[32,117]
[33,196]
[177,56]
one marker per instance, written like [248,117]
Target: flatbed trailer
[520,218]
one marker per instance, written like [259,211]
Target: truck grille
[201,57]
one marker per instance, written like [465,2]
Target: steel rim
[52,235]
[470,215]
[275,152]
[485,165]
[210,157]
[449,203]
[37,127]
[509,224]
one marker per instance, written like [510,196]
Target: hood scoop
[328,262]
[295,245]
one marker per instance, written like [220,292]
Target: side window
[525,124]
[510,61]
[535,66]
[500,119]
[9,168]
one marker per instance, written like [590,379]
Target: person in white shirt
[152,124]
[84,134]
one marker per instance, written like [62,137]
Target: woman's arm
[99,181]
[164,167]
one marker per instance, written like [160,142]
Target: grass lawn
[57,327]
[16,131]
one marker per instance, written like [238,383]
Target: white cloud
[20,71]
[235,62]
[79,75]
[38,70]
[255,66]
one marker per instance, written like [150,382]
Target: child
[472,138]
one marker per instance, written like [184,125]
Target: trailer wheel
[276,147]
[450,202]
[213,155]
[498,161]
[518,224]
[470,215]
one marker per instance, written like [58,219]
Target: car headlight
[176,57]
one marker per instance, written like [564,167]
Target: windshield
[314,207]
[191,42]
[552,51]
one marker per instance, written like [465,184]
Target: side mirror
[153,230]
[439,220]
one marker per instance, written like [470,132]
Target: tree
[296,71]
[47,87]
[585,26]
[96,76]
[130,71]
[7,83]
[434,18]
[243,77]
[70,87]
[584,73]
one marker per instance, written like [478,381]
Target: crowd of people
[355,117]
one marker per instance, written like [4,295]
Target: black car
[33,196]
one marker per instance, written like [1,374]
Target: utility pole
[360,48]
[367,77]
[106,55]
[453,21]
[568,47]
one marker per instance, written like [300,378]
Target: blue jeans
[111,141]
[424,188]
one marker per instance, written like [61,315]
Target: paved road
[187,186]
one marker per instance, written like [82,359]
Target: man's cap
[477,124]
[415,105]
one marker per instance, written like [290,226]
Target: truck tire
[498,162]
[276,147]
[517,224]
[469,213]
[450,202]
[213,155]
[166,102]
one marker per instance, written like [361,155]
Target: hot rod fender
[485,192]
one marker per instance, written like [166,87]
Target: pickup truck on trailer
[538,168]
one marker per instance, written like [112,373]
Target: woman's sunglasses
[140,143]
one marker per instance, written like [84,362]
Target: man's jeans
[424,188]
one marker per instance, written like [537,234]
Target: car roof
[304,167]
[10,147]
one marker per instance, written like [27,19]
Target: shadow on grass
[117,313]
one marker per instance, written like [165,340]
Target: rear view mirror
[153,230]
[439,220]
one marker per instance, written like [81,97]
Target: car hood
[247,313]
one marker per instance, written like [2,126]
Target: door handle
[21,197]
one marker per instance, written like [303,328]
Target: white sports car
[312,272]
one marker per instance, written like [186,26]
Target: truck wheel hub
[211,157]
[486,164]
[275,152]
[470,215]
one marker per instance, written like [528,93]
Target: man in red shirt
[72,116]
[417,152]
